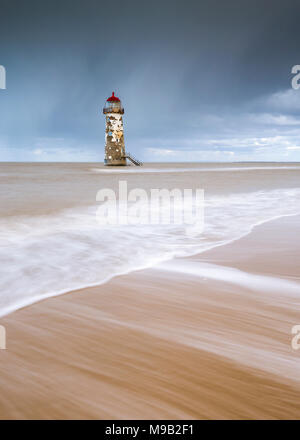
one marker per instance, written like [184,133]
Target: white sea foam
[256,282]
[44,256]
[137,170]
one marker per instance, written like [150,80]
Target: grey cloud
[188,73]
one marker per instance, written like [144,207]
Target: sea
[51,240]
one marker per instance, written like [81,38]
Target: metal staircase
[133,160]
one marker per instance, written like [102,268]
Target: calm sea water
[51,242]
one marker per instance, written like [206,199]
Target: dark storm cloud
[193,76]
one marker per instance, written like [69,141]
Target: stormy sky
[200,80]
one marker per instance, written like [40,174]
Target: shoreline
[44,297]
[156,344]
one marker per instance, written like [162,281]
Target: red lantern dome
[113,98]
[113,105]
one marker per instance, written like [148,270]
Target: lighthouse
[115,153]
[114,136]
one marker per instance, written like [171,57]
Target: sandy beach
[204,337]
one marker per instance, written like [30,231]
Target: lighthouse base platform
[116,162]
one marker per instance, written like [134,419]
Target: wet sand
[162,343]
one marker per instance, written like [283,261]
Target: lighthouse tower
[114,137]
[115,153]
